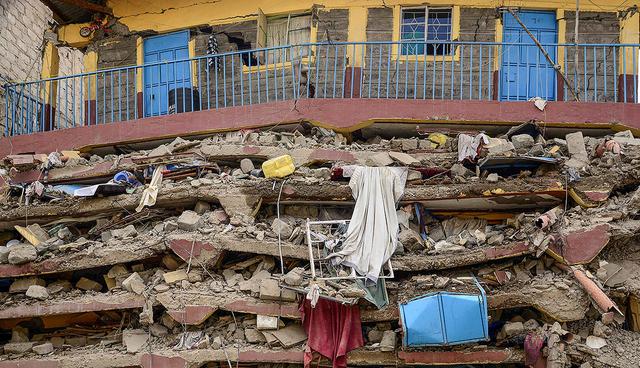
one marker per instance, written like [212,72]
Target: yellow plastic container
[438,138]
[278,167]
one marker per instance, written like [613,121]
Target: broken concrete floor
[195,277]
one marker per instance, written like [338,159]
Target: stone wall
[595,27]
[227,81]
[24,32]
[116,91]
[70,89]
[22,27]
[432,79]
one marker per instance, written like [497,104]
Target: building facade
[149,61]
[176,179]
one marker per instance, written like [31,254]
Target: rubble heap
[192,252]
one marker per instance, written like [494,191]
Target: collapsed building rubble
[193,252]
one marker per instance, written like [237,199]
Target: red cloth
[333,329]
[533,345]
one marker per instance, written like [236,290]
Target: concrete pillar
[50,68]
[628,58]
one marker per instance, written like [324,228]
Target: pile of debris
[440,248]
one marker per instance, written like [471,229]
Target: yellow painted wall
[629,27]
[171,15]
[50,67]
[90,65]
[139,61]
[562,34]
[357,32]
[70,34]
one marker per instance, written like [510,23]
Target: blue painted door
[165,77]
[525,72]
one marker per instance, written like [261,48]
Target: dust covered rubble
[529,292]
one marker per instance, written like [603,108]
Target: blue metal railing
[390,70]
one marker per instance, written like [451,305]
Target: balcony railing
[389,70]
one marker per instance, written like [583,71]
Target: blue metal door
[525,72]
[169,76]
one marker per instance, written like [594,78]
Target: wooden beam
[89,6]
[56,13]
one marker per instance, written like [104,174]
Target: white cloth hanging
[151,192]
[372,235]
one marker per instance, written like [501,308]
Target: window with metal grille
[423,29]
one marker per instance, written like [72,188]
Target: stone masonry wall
[116,91]
[594,27]
[70,89]
[22,27]
[24,31]
[439,79]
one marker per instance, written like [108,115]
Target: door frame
[558,84]
[186,82]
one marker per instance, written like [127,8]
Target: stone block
[388,341]
[279,226]
[246,165]
[270,290]
[58,286]
[134,283]
[201,207]
[23,284]
[126,232]
[37,292]
[232,278]
[513,328]
[379,159]
[22,253]
[268,322]
[253,336]
[43,349]
[4,254]
[294,277]
[20,334]
[175,276]
[158,330]
[117,270]
[88,285]
[522,142]
[170,262]
[57,341]
[17,347]
[374,335]
[134,340]
[492,178]
[188,221]
[403,158]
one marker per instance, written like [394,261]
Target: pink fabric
[333,329]
[533,344]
